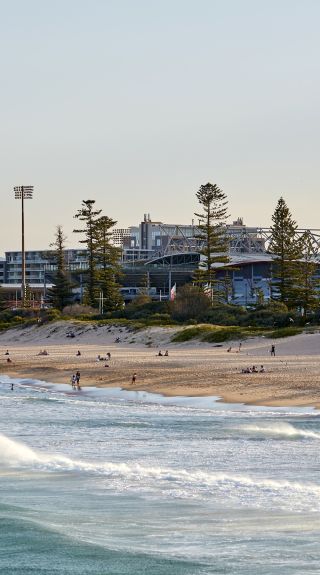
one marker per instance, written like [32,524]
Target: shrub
[77,310]
[221,335]
[191,303]
[191,333]
[264,317]
[285,332]
[148,309]
[225,315]
[48,315]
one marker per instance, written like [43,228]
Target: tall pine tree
[60,295]
[212,236]
[107,258]
[285,249]
[89,215]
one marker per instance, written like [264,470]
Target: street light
[23,193]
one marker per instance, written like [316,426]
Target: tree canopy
[212,236]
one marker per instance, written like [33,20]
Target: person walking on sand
[273,350]
[134,377]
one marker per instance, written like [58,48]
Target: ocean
[128,483]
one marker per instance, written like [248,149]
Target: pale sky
[136,103]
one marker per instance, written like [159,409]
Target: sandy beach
[292,377]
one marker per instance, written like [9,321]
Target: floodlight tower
[23,193]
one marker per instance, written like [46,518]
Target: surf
[281,430]
[14,454]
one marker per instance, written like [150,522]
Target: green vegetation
[101,285]
[217,334]
[60,294]
[225,334]
[212,236]
[286,251]
[88,215]
[197,332]
[285,332]
[107,258]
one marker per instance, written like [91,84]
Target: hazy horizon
[136,104]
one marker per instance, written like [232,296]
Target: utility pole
[23,193]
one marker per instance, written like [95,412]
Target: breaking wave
[17,455]
[280,429]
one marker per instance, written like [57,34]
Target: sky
[136,103]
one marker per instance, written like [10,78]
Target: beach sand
[292,377]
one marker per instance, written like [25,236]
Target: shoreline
[142,396]
[192,369]
[286,382]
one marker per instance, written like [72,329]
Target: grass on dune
[218,334]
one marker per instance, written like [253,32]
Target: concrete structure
[160,255]
[40,265]
[155,239]
[2,270]
[119,235]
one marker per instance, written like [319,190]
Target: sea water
[108,482]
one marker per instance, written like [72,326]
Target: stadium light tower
[23,193]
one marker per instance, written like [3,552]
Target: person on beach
[78,352]
[134,377]
[78,379]
[252,369]
[73,381]
[109,355]
[240,346]
[262,370]
[7,352]
[9,360]
[12,387]
[273,350]
[160,353]
[166,353]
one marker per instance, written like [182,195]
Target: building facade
[158,255]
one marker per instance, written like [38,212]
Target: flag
[173,292]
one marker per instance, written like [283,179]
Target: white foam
[280,429]
[15,454]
